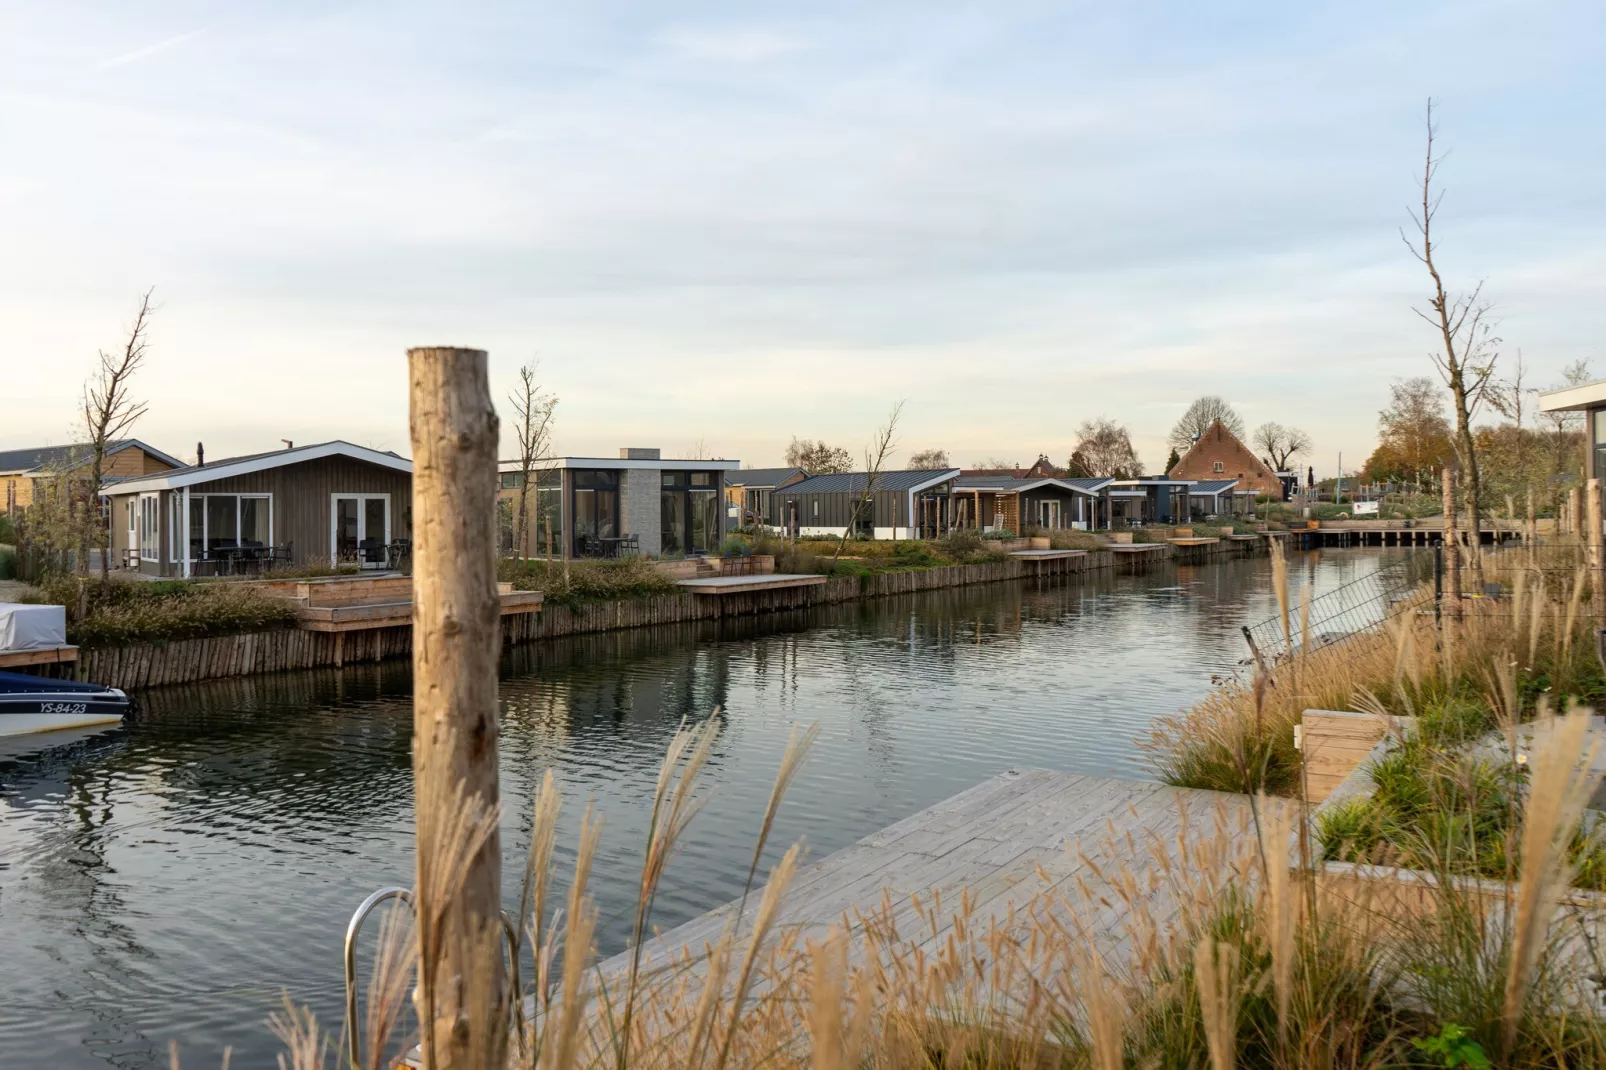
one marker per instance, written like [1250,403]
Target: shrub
[586,581]
[8,529]
[8,563]
[135,611]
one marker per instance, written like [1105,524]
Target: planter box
[1123,537]
[1037,542]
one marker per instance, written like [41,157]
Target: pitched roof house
[307,505]
[1219,455]
[21,469]
[909,504]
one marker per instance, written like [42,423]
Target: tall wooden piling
[455,649]
[1452,547]
[1573,515]
[1597,554]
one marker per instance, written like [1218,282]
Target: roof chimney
[638,453]
[288,444]
[200,455]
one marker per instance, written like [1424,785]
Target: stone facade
[641,507]
[1219,455]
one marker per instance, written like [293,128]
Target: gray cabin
[912,504]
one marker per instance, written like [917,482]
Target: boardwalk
[1001,843]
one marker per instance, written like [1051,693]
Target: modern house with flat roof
[1589,399]
[1209,498]
[22,470]
[1009,503]
[910,504]
[637,503]
[749,493]
[1149,500]
[322,504]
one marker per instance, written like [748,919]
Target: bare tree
[1281,444]
[109,410]
[1563,429]
[533,410]
[929,459]
[875,460]
[816,458]
[1104,449]
[697,451]
[1200,416]
[1470,349]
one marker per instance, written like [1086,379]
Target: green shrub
[8,530]
[8,563]
[134,611]
[735,545]
[586,581]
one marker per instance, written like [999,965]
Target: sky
[719,226]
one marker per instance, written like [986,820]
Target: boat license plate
[72,708]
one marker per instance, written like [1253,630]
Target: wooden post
[1452,547]
[1573,522]
[1597,556]
[1531,535]
[454,439]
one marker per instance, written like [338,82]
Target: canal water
[171,879]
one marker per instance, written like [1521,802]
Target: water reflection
[168,879]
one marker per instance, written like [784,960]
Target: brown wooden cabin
[24,471]
[307,506]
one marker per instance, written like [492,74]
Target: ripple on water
[170,878]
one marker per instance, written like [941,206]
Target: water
[170,879]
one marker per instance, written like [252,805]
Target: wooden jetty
[739,584]
[1000,844]
[44,656]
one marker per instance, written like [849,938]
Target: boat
[31,704]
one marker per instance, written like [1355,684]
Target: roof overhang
[937,480]
[1046,481]
[266,462]
[1154,482]
[622,464]
[1575,398]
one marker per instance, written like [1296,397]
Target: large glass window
[222,521]
[596,510]
[150,546]
[1598,418]
[689,504]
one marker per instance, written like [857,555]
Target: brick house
[1219,455]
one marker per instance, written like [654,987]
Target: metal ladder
[354,928]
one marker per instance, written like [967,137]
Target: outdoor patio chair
[371,554]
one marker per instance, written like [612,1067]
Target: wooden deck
[360,616]
[717,585]
[1046,555]
[54,655]
[1001,843]
[1136,547]
[1195,540]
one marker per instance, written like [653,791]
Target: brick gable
[1219,455]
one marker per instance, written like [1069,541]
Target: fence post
[455,650]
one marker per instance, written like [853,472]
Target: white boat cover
[30,627]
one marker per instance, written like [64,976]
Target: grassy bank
[1488,664]
[130,611]
[577,582]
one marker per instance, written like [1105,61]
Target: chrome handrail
[354,927]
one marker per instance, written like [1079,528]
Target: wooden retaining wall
[143,665]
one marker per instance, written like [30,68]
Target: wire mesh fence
[1355,608]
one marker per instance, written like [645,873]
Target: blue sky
[731,224]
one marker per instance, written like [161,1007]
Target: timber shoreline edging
[183,661]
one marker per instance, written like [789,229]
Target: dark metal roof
[1090,483]
[1212,486]
[761,477]
[32,457]
[221,461]
[1013,485]
[854,482]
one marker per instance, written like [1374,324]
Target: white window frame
[1219,466]
[133,526]
[154,542]
[362,520]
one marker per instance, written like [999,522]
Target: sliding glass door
[689,509]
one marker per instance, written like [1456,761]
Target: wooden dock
[50,655]
[1002,843]
[740,584]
